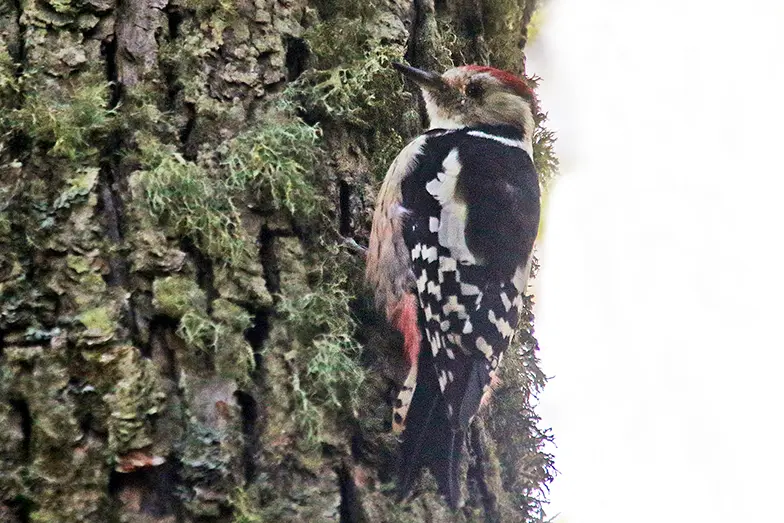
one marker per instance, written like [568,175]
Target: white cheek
[439,119]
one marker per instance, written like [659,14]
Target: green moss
[450,48]
[79,187]
[545,159]
[361,9]
[221,336]
[208,468]
[89,291]
[198,330]
[8,80]
[100,324]
[5,225]
[327,375]
[193,204]
[526,469]
[538,19]
[233,354]
[136,397]
[67,120]
[63,6]
[333,370]
[64,469]
[272,163]
[184,57]
[276,160]
[246,286]
[175,296]
[354,85]
[362,92]
[310,418]
[143,108]
[504,32]
[217,10]
[78,264]
[245,508]
[339,41]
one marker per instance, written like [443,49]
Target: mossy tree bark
[183,337]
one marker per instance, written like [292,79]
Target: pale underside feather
[388,261]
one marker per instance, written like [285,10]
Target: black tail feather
[446,468]
[429,440]
[416,438]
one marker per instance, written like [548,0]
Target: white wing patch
[505,300]
[422,282]
[520,279]
[453,305]
[434,289]
[484,347]
[501,324]
[451,230]
[442,380]
[429,315]
[446,264]
[430,254]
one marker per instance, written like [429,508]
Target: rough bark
[183,337]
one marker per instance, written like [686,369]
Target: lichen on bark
[183,332]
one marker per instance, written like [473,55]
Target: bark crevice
[478,473]
[269,259]
[422,9]
[251,433]
[109,52]
[152,492]
[297,55]
[174,18]
[350,508]
[111,202]
[205,273]
[25,419]
[17,49]
[344,205]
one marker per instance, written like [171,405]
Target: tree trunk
[184,336]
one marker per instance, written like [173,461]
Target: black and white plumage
[452,238]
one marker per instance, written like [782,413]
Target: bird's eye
[474,90]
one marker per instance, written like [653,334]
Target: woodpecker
[449,256]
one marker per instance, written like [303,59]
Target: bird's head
[473,95]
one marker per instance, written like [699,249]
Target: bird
[449,256]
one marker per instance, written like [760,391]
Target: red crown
[518,85]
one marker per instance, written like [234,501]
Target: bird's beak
[423,79]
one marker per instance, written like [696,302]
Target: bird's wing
[470,233]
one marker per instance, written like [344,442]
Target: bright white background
[660,300]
